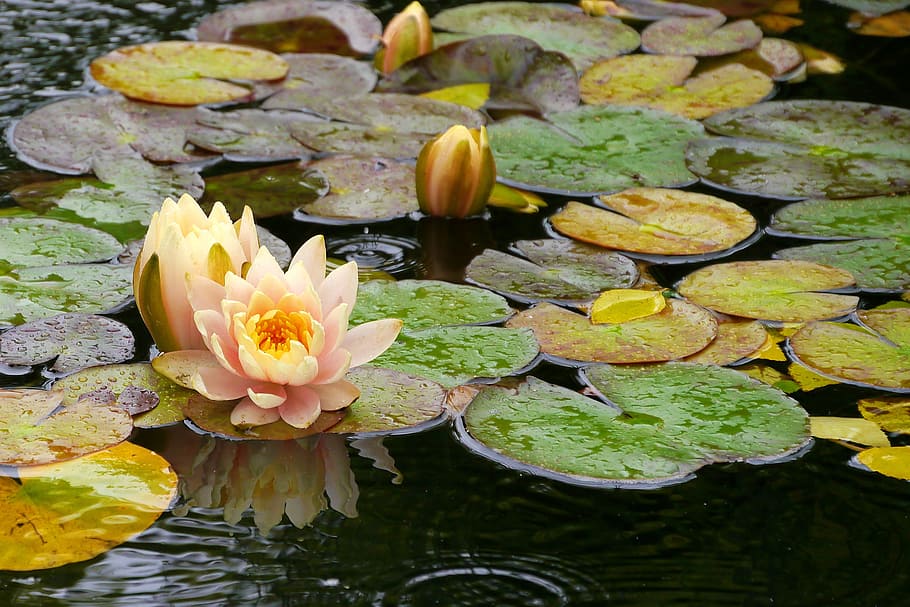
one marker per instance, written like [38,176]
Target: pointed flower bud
[407,36]
[455,173]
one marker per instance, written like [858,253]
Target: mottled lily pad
[878,264]
[73,511]
[664,426]
[318,75]
[214,417]
[346,138]
[362,190]
[892,413]
[679,330]
[118,379]
[556,28]
[36,241]
[780,290]
[158,132]
[663,82]
[250,135]
[452,356]
[658,222]
[39,292]
[179,72]
[807,149]
[71,341]
[422,304]
[268,191]
[31,433]
[560,270]
[874,217]
[592,150]
[877,356]
[521,74]
[780,59]
[390,402]
[296,26]
[736,339]
[699,36]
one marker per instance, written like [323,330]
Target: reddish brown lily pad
[736,339]
[250,135]
[699,36]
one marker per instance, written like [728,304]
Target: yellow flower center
[275,330]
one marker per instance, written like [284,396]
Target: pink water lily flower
[279,341]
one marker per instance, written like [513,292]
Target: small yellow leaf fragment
[776,24]
[770,350]
[473,95]
[819,61]
[808,380]
[622,305]
[892,25]
[890,461]
[852,429]
[892,413]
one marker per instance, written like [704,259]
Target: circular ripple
[377,253]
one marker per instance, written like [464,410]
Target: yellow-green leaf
[473,95]
[852,429]
[622,305]
[890,461]
[892,413]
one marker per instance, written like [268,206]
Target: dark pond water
[460,530]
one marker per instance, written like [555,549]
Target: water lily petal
[216,383]
[267,395]
[204,293]
[301,407]
[246,413]
[263,265]
[337,395]
[312,257]
[246,233]
[367,341]
[339,287]
[333,366]
[336,326]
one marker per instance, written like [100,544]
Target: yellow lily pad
[622,305]
[178,72]
[678,330]
[663,82]
[473,95]
[892,413]
[807,379]
[852,429]
[75,510]
[780,290]
[736,339]
[890,461]
[657,221]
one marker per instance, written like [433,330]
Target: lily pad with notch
[736,340]
[250,135]
[706,36]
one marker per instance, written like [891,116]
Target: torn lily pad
[876,355]
[706,36]
[71,341]
[680,329]
[593,150]
[779,290]
[269,191]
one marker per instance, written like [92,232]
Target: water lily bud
[182,242]
[455,173]
[407,36]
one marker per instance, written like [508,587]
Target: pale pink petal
[339,287]
[181,365]
[333,366]
[216,383]
[236,288]
[303,371]
[249,361]
[246,233]
[210,323]
[225,350]
[204,293]
[337,395]
[263,265]
[312,255]
[273,285]
[174,291]
[335,326]
[259,303]
[267,396]
[301,408]
[367,341]
[246,414]
[299,279]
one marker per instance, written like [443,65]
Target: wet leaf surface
[736,339]
[780,290]
[699,36]
[678,330]
[617,306]
[852,429]
[878,265]
[250,135]
[36,241]
[874,217]
[592,150]
[892,25]
[318,76]
[73,511]
[269,191]
[780,59]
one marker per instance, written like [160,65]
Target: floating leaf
[890,461]
[474,95]
[33,293]
[892,25]
[658,222]
[357,139]
[663,82]
[591,150]
[158,132]
[250,135]
[521,74]
[771,376]
[678,330]
[452,356]
[186,73]
[622,305]
[736,339]
[669,420]
[342,28]
[878,265]
[852,429]
[878,356]
[699,36]
[422,304]
[35,241]
[781,60]
[73,511]
[31,433]
[71,341]
[556,28]
[892,413]
[807,149]
[214,417]
[808,380]
[821,62]
[781,290]
[875,217]
[390,402]
[269,191]
[318,75]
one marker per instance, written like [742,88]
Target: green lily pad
[699,36]
[39,292]
[680,329]
[452,356]
[877,355]
[72,341]
[214,417]
[581,38]
[32,434]
[658,222]
[577,275]
[592,150]
[874,217]
[120,378]
[319,75]
[36,241]
[423,304]
[736,339]
[663,426]
[878,264]
[177,72]
[268,191]
[362,189]
[250,135]
[297,26]
[807,149]
[779,290]
[663,82]
[390,402]
[521,74]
